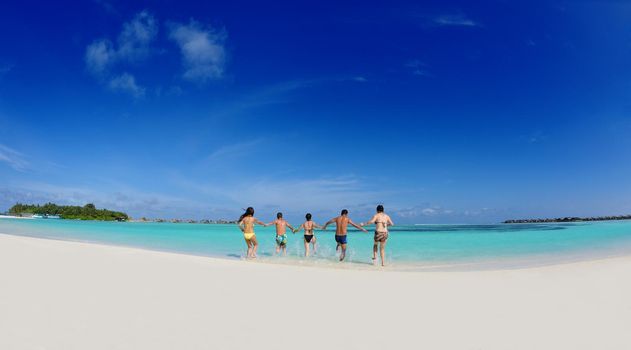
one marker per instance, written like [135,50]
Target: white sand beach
[67,295]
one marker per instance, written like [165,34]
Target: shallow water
[417,247]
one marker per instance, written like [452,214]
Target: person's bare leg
[315,250]
[284,249]
[306,248]
[255,246]
[343,255]
[374,253]
[249,245]
[382,252]
[277,248]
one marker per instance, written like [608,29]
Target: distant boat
[45,216]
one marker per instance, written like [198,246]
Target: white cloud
[360,79]
[126,83]
[455,20]
[13,158]
[99,56]
[135,39]
[133,45]
[202,48]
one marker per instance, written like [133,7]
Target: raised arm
[241,225]
[259,222]
[356,226]
[288,225]
[317,226]
[299,228]
[328,223]
[371,221]
[390,223]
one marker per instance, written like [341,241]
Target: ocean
[412,247]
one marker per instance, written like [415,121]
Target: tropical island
[86,212]
[568,219]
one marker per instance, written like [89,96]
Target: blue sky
[446,112]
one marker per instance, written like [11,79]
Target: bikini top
[384,223]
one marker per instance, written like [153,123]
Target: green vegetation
[87,212]
[569,219]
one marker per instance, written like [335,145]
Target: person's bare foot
[374,261]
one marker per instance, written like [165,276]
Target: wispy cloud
[202,48]
[99,56]
[134,202]
[294,196]
[422,211]
[418,68]
[265,95]
[436,213]
[13,158]
[135,39]
[133,45]
[459,20]
[233,150]
[536,136]
[126,83]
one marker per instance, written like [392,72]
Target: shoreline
[69,295]
[15,217]
[508,264]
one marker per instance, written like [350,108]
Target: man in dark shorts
[341,226]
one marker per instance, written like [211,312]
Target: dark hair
[380,208]
[248,212]
[279,215]
[344,211]
[308,216]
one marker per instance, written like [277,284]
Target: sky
[443,111]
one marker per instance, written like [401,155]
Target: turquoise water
[409,247]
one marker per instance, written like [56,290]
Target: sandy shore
[65,295]
[15,217]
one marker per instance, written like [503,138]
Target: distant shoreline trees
[87,212]
[568,219]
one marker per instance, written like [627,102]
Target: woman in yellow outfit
[246,225]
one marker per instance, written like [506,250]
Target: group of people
[380,220]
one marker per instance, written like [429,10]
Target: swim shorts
[281,239]
[340,239]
